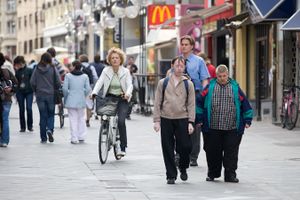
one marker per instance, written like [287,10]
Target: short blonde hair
[221,69]
[117,51]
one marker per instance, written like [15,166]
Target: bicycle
[109,136]
[61,114]
[289,107]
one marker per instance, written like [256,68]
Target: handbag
[58,93]
[107,106]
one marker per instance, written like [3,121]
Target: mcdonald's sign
[158,14]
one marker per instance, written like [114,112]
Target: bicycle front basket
[107,107]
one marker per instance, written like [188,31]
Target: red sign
[158,14]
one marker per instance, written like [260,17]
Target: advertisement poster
[192,26]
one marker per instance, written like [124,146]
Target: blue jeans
[5,120]
[21,97]
[46,108]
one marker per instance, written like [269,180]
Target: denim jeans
[46,108]
[5,120]
[21,97]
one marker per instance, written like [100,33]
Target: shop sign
[158,14]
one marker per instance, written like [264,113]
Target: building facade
[30,24]
[8,27]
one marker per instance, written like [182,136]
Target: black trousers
[175,131]
[221,147]
[122,113]
[196,143]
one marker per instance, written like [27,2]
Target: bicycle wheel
[292,116]
[103,146]
[61,115]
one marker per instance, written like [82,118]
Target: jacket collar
[110,72]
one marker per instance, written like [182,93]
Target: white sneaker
[74,142]
[3,145]
[122,153]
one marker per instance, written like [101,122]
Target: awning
[293,23]
[161,35]
[44,49]
[270,10]
[202,14]
[238,20]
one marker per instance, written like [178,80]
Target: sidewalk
[269,167]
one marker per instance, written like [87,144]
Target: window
[36,43]
[36,17]
[25,21]
[11,5]
[42,42]
[25,47]
[30,46]
[20,48]
[11,27]
[20,23]
[30,19]
[49,4]
[54,3]
[60,1]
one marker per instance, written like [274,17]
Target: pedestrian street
[269,166]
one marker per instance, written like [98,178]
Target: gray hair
[221,69]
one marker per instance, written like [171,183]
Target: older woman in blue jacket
[76,88]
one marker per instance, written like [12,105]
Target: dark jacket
[43,79]
[244,111]
[23,76]
[6,77]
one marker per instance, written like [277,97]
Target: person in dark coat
[24,93]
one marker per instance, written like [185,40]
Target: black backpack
[87,70]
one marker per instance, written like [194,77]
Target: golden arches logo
[161,10]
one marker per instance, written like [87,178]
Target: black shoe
[87,123]
[22,130]
[231,180]
[183,175]
[193,163]
[210,179]
[43,141]
[171,181]
[128,118]
[50,136]
[30,129]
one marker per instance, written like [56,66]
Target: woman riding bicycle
[116,83]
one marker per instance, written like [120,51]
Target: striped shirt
[223,108]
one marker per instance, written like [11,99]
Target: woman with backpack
[174,115]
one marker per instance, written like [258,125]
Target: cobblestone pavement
[269,167]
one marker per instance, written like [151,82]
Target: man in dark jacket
[224,112]
[24,92]
[98,65]
[44,80]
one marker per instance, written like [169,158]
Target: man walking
[197,71]
[224,114]
[174,114]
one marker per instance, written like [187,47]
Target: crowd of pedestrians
[194,97]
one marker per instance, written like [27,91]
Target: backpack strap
[165,83]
